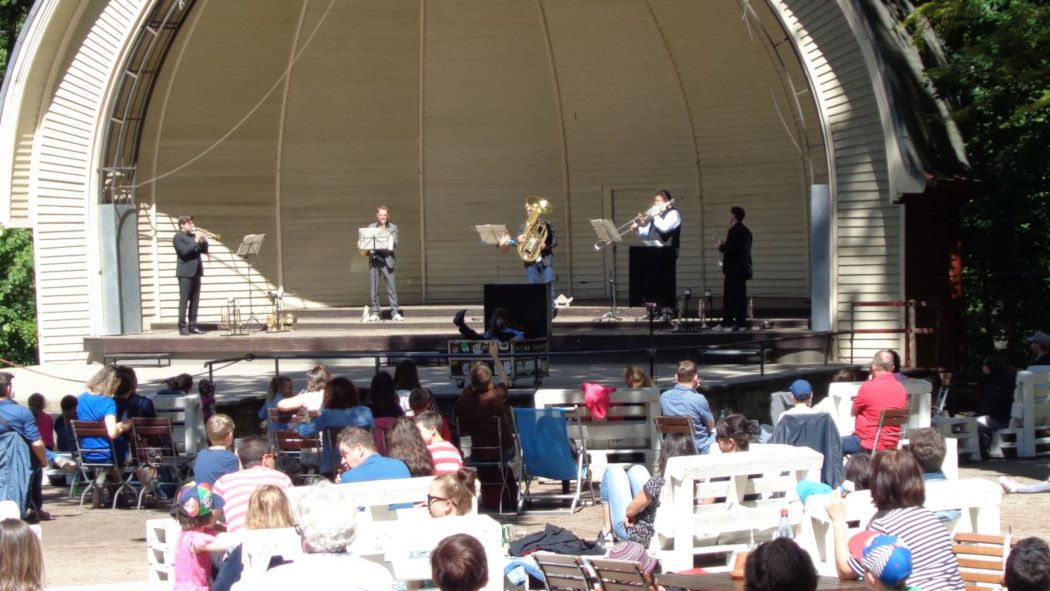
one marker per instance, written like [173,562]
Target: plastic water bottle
[784,528]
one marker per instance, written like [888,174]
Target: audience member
[635,376]
[882,392]
[405,443]
[195,512]
[1039,342]
[848,374]
[179,385]
[406,379]
[779,565]
[499,327]
[928,448]
[887,564]
[802,395]
[632,497]
[328,525]
[459,563]
[684,400]
[235,489]
[1028,566]
[63,430]
[217,460]
[858,470]
[206,388]
[383,398]
[452,494]
[313,397]
[267,509]
[341,408]
[421,401]
[131,404]
[1011,486]
[995,399]
[97,404]
[21,557]
[445,456]
[898,493]
[361,461]
[280,387]
[735,433]
[46,426]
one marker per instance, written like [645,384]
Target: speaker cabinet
[653,277]
[528,304]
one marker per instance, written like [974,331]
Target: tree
[17,291]
[996,74]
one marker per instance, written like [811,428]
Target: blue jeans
[619,487]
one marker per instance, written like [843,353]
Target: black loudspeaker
[528,304]
[653,276]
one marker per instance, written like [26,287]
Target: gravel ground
[75,539]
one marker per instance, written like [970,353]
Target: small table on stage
[723,582]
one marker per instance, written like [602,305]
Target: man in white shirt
[665,225]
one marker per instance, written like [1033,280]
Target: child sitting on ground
[216,461]
[887,564]
[447,458]
[196,516]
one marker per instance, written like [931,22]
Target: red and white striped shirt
[447,458]
[236,490]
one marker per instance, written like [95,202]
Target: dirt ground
[84,546]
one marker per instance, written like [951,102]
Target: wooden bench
[626,436]
[977,500]
[839,403]
[1029,430]
[738,493]
[377,496]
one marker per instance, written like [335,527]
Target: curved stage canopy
[295,119]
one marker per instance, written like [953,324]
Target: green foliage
[17,297]
[996,73]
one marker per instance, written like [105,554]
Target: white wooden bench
[1029,430]
[839,402]
[978,501]
[740,493]
[626,436]
[377,496]
[162,535]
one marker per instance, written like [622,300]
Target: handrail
[761,344]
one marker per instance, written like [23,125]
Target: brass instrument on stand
[230,321]
[279,319]
[535,234]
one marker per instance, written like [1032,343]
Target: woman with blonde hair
[21,557]
[268,508]
[313,397]
[97,404]
[452,494]
[635,376]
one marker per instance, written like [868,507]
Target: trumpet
[641,219]
[206,234]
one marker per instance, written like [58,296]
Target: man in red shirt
[883,391]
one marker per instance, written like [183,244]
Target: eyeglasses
[432,498]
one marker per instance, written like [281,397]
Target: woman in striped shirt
[897,490]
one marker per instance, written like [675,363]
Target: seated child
[447,458]
[887,564]
[1028,566]
[420,401]
[216,461]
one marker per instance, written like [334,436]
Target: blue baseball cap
[801,389]
[887,559]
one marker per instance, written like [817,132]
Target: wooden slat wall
[65,136]
[23,158]
[868,228]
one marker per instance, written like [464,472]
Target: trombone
[641,219]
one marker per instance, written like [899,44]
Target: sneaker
[375,318]
[1008,485]
[65,464]
[397,317]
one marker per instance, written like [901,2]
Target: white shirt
[664,222]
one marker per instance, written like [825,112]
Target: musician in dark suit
[736,267]
[189,246]
[382,262]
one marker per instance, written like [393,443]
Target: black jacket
[189,255]
[818,432]
[736,252]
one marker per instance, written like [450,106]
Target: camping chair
[982,559]
[619,575]
[668,425]
[546,452]
[154,447]
[563,573]
[489,439]
[94,471]
[891,417]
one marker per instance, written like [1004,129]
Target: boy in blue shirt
[216,461]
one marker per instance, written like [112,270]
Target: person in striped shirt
[447,458]
[234,490]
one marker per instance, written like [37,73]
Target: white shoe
[397,317]
[365,315]
[374,318]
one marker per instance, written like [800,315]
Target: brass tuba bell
[535,234]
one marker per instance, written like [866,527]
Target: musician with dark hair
[381,262]
[736,267]
[189,246]
[665,223]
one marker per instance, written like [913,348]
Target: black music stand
[249,251]
[608,235]
[493,235]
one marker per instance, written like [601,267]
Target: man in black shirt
[736,267]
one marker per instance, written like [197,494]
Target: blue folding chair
[546,452]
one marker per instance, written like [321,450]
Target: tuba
[535,234]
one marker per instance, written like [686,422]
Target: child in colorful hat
[195,512]
[887,564]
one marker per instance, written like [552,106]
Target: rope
[31,370]
[258,105]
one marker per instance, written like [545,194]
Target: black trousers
[734,301]
[189,296]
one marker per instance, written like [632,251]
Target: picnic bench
[1029,430]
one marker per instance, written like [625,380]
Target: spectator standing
[341,408]
[882,392]
[217,460]
[445,456]
[361,461]
[206,388]
[46,425]
[17,426]
[195,512]
[235,489]
[684,400]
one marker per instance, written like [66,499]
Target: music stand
[373,239]
[493,235]
[250,247]
[608,234]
